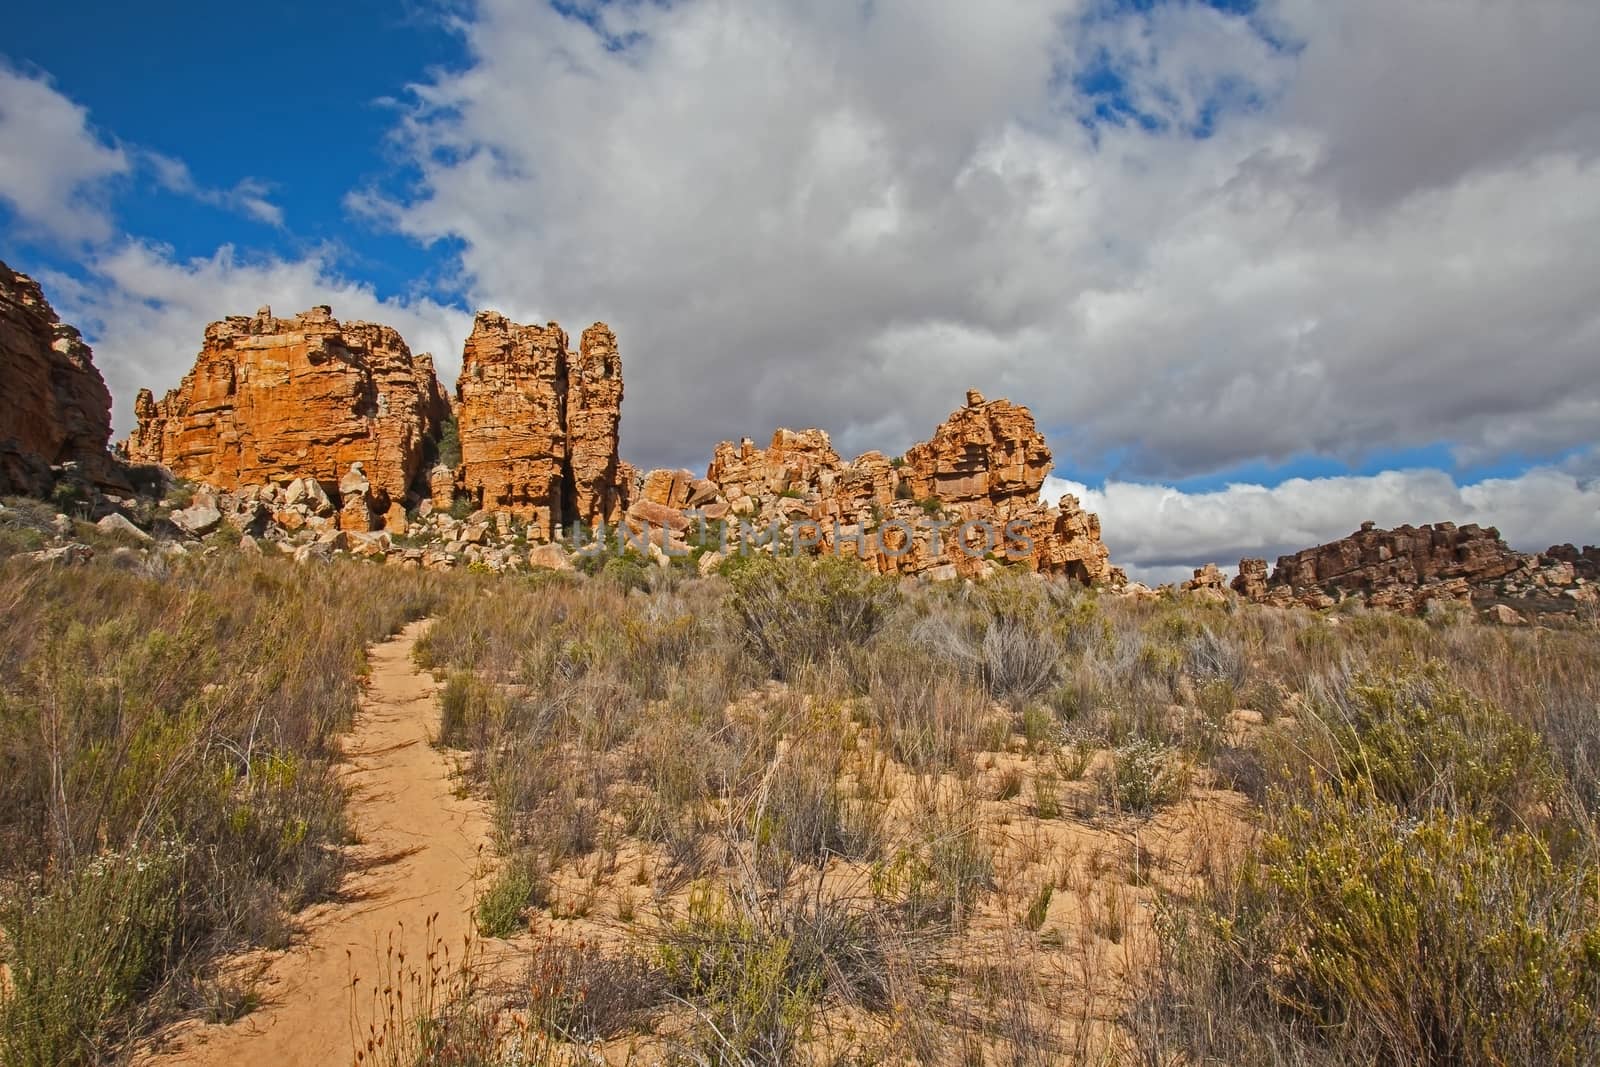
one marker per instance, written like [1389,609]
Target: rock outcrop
[986,460]
[1405,568]
[959,505]
[1207,581]
[271,401]
[539,425]
[54,406]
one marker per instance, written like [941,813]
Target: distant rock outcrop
[271,401]
[1405,568]
[958,505]
[539,425]
[54,406]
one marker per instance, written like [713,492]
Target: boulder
[197,520]
[117,523]
[551,557]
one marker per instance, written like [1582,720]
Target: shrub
[469,711]
[791,612]
[1144,775]
[1420,742]
[518,885]
[1360,933]
[582,994]
[758,970]
[83,949]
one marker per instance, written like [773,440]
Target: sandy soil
[419,850]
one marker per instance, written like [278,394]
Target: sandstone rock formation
[987,459]
[539,424]
[1207,580]
[271,400]
[1405,568]
[975,483]
[54,406]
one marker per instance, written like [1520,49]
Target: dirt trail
[417,856]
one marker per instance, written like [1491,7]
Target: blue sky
[1262,270]
[299,96]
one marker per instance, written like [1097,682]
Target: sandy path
[418,852]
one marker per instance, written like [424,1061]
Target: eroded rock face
[594,426]
[975,483]
[272,400]
[539,425]
[986,459]
[1405,568]
[54,406]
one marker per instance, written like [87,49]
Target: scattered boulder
[1505,615]
[117,523]
[551,557]
[199,519]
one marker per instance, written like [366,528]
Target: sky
[1262,270]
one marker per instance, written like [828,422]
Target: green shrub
[83,949]
[449,447]
[758,971]
[1358,933]
[518,885]
[1420,742]
[470,710]
[792,612]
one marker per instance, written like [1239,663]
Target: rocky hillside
[957,505]
[314,438]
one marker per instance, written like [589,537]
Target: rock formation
[988,459]
[54,406]
[271,400]
[539,424]
[975,483]
[1405,568]
[1207,580]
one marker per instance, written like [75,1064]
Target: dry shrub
[149,714]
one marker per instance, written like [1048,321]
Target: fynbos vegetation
[797,812]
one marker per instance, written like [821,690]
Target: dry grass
[795,816]
[166,738]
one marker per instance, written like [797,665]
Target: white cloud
[248,196]
[845,215]
[1160,533]
[146,312]
[54,167]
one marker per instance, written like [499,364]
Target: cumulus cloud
[1189,238]
[54,166]
[147,311]
[1161,534]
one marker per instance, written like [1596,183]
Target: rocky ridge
[1410,567]
[320,437]
[958,505]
